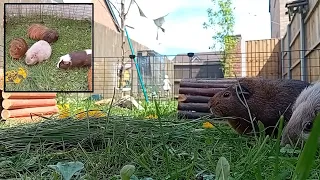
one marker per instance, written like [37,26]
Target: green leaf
[127,171]
[208,177]
[288,149]
[307,156]
[134,177]
[222,169]
[67,170]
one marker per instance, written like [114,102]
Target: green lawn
[74,35]
[166,148]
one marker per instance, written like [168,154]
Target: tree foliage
[221,19]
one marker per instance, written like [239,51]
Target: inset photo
[48,47]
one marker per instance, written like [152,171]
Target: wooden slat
[263,58]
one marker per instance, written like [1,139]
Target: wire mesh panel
[155,73]
[142,76]
[301,65]
[45,12]
[147,74]
[149,70]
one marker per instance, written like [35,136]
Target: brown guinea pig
[36,31]
[76,59]
[266,99]
[50,36]
[18,48]
[41,32]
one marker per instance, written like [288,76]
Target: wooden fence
[262,58]
[206,65]
[294,51]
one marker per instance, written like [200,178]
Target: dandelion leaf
[222,169]
[127,171]
[134,177]
[208,177]
[288,149]
[67,170]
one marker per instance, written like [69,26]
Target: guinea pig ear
[241,90]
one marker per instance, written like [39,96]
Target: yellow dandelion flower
[7,79]
[17,80]
[64,110]
[22,72]
[207,125]
[90,113]
[152,116]
[81,115]
[66,106]
[96,113]
[64,114]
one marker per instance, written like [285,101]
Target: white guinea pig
[38,52]
[76,59]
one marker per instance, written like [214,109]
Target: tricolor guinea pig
[76,59]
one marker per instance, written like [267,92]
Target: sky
[183,25]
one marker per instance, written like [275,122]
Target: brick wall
[284,19]
[275,18]
[237,58]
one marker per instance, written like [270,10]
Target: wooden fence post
[289,51]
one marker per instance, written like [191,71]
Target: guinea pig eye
[308,126]
[226,94]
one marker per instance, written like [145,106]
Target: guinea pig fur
[266,99]
[41,32]
[75,59]
[18,48]
[38,52]
[305,109]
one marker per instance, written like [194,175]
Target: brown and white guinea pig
[267,100]
[76,59]
[38,52]
[305,110]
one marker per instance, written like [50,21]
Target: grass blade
[276,163]
[307,156]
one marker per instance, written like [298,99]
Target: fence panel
[263,58]
[292,65]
